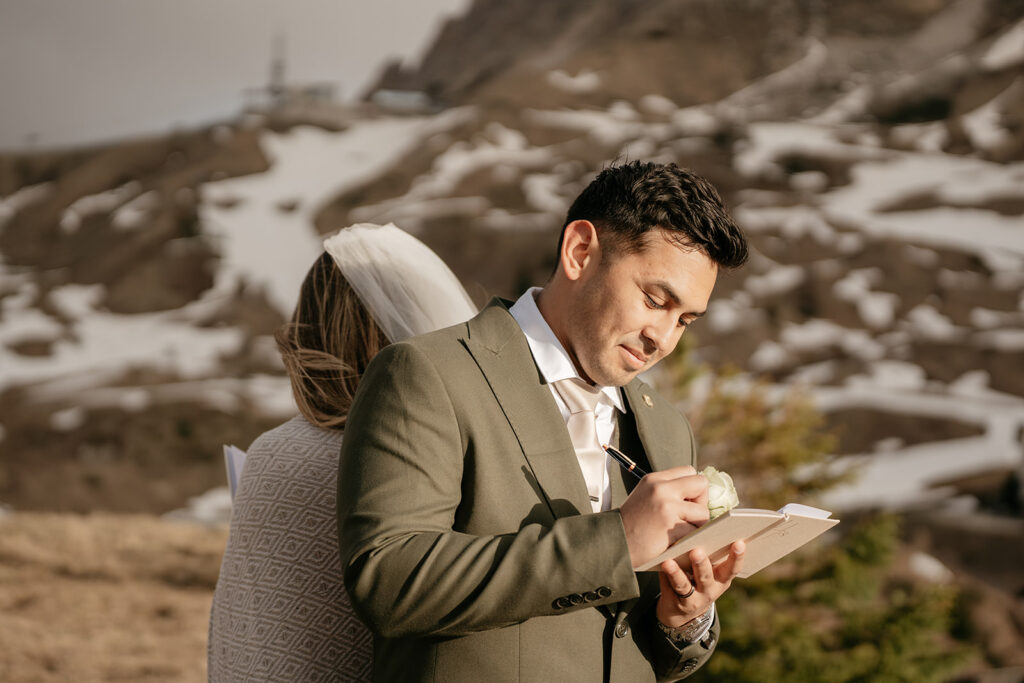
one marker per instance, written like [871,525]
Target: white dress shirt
[554,364]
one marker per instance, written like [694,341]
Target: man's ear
[579,247]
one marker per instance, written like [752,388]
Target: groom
[486,536]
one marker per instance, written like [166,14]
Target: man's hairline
[614,248]
[619,245]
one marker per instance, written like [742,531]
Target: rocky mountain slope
[575,54]
[874,157]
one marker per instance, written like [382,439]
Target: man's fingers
[703,572]
[671,473]
[674,579]
[690,487]
[692,512]
[728,570]
[702,496]
[690,516]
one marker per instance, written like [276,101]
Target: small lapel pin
[648,401]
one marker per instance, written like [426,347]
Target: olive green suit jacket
[466,530]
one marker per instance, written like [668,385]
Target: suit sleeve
[400,479]
[674,663]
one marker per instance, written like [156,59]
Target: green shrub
[836,610]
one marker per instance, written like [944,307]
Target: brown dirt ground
[105,597]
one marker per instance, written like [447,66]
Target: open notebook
[769,535]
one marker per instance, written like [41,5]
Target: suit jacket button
[622,630]
[604,591]
[561,603]
[591,596]
[576,599]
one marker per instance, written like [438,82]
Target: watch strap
[691,631]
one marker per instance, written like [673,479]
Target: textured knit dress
[280,611]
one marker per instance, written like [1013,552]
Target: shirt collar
[551,357]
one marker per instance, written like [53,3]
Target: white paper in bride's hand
[234,461]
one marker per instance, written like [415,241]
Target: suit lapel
[641,403]
[499,347]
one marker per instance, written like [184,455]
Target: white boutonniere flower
[722,495]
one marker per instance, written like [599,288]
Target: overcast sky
[75,71]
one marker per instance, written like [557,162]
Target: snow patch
[984,126]
[103,202]
[792,222]
[658,105]
[543,192]
[908,475]
[412,213]
[135,213]
[68,420]
[817,334]
[211,508]
[973,383]
[888,375]
[1007,50]
[809,181]
[928,568]
[728,315]
[260,244]
[986,318]
[876,309]
[928,323]
[585,81]
[768,141]
[23,322]
[697,121]
[102,344]
[778,280]
[996,238]
[769,356]
[611,128]
[26,196]
[1005,341]
[924,137]
[850,105]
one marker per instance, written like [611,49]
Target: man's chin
[619,378]
[614,374]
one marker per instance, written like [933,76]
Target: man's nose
[662,335]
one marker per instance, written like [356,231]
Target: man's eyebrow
[671,294]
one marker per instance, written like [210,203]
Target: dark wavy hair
[625,202]
[327,345]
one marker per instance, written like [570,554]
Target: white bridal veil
[404,285]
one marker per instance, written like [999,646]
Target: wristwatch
[690,631]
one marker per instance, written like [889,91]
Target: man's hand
[707,585]
[664,507]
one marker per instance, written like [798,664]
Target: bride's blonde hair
[327,345]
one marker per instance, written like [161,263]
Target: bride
[280,611]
